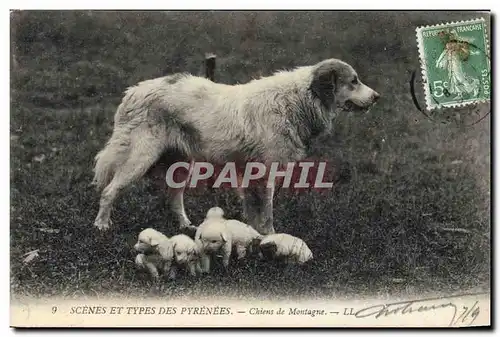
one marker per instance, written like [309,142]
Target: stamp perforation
[423,62]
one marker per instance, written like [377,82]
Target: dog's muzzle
[375,98]
[362,106]
[184,259]
[143,248]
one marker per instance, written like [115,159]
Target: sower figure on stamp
[457,50]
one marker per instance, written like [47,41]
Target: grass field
[413,213]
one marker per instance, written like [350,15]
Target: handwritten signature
[466,315]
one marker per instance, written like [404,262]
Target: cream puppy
[285,247]
[186,254]
[217,234]
[156,252]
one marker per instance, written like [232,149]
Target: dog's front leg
[173,273]
[226,253]
[167,265]
[199,269]
[192,268]
[241,251]
[258,208]
[205,263]
[152,270]
[267,226]
[253,203]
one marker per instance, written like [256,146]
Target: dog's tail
[107,160]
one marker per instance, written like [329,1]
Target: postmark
[455,64]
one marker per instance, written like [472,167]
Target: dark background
[412,215]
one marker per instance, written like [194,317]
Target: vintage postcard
[250,169]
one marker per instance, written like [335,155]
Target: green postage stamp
[455,63]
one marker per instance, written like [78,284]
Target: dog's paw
[172,275]
[102,225]
[157,284]
[184,222]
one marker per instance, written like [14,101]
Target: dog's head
[212,240]
[148,241]
[268,250]
[215,212]
[184,250]
[337,85]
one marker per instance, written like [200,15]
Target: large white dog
[187,118]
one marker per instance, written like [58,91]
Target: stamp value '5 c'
[455,63]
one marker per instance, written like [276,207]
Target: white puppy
[285,247]
[217,234]
[186,254]
[156,251]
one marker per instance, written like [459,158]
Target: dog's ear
[223,237]
[166,250]
[199,246]
[195,252]
[323,84]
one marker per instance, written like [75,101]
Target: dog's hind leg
[145,150]
[174,196]
[176,203]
